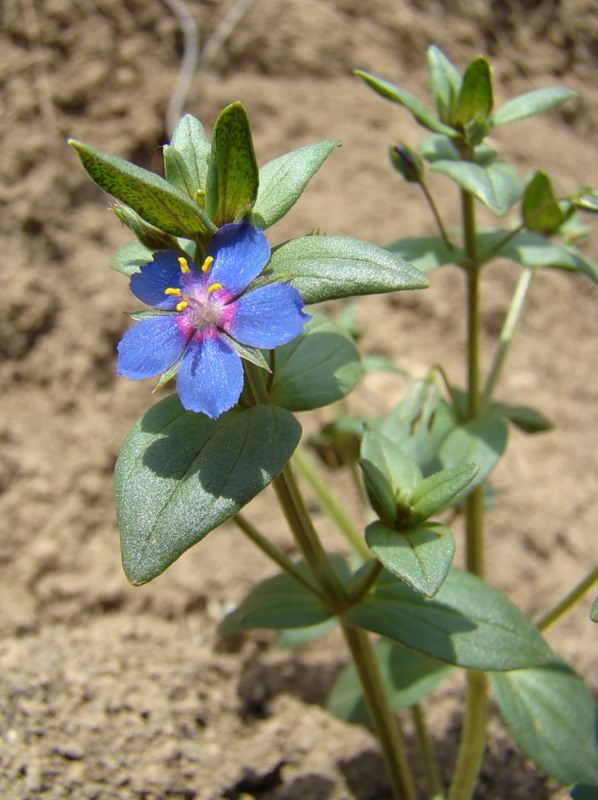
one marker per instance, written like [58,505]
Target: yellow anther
[173,291]
[183,304]
[207,264]
[183,265]
[214,287]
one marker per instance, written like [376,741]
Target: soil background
[107,691]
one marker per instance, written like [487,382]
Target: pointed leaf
[421,556]
[153,198]
[531,103]
[445,83]
[177,173]
[280,602]
[315,369]
[408,676]
[181,474]
[527,419]
[190,140]
[399,469]
[410,102]
[440,490]
[539,208]
[329,267]
[552,716]
[233,176]
[498,185]
[476,97]
[130,257]
[469,623]
[481,442]
[427,253]
[283,180]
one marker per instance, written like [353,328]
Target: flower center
[198,303]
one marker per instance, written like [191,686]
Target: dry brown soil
[112,692]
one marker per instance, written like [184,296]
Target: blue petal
[210,376]
[151,346]
[240,253]
[162,273]
[268,316]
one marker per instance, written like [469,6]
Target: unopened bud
[407,162]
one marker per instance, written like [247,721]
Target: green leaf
[400,470]
[427,253]
[540,209]
[295,637]
[440,490]
[584,792]
[329,267]
[527,419]
[445,83]
[438,148]
[181,474]
[153,198]
[476,98]
[531,103]
[420,556]
[148,235]
[177,173]
[283,180]
[315,369]
[469,623]
[552,717]
[190,140]
[481,442]
[497,186]
[408,676]
[130,257]
[410,102]
[280,602]
[534,250]
[594,610]
[233,176]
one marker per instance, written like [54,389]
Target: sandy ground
[112,692]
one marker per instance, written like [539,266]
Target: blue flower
[199,311]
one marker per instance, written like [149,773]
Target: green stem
[368,577]
[567,603]
[329,503]
[507,333]
[475,721]
[426,747]
[266,546]
[381,715]
[437,217]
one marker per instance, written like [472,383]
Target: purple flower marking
[199,305]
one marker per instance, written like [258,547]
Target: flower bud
[407,162]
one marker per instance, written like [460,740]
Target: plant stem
[426,748]
[266,546]
[329,503]
[437,217]
[507,333]
[473,734]
[381,715]
[567,603]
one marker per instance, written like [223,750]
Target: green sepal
[531,103]
[149,236]
[180,475]
[330,267]
[552,717]
[420,556]
[283,180]
[129,258]
[539,207]
[404,98]
[380,493]
[190,140]
[427,253]
[468,623]
[282,602]
[318,367]
[440,490]
[445,83]
[233,176]
[152,197]
[594,610]
[409,677]
[586,200]
[400,470]
[252,354]
[407,162]
[476,99]
[498,186]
